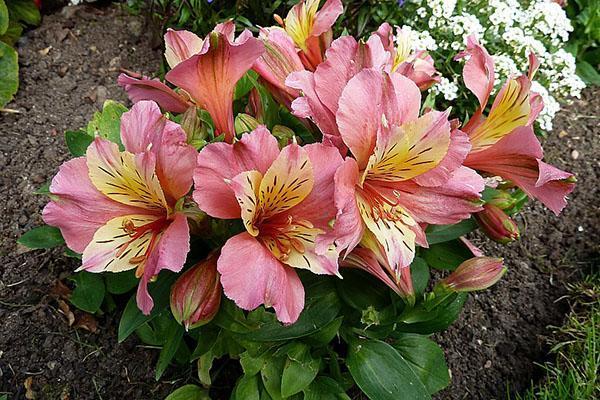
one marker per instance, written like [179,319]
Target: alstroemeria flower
[278,61]
[503,143]
[406,170]
[311,29]
[205,71]
[284,199]
[118,208]
[417,65]
[322,88]
[210,77]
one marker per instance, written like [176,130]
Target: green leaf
[132,317]
[188,392]
[89,291]
[436,320]
[247,388]
[325,388]
[419,272]
[322,307]
[271,376]
[426,359]
[252,364]
[382,373]
[44,189]
[42,237]
[24,11]
[78,142]
[107,123]
[12,34]
[3,17]
[361,291]
[120,282]
[9,73]
[446,255]
[327,333]
[244,85]
[299,371]
[588,73]
[174,337]
[444,233]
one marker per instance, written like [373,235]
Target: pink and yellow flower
[284,200]
[205,71]
[120,208]
[405,170]
[310,28]
[503,142]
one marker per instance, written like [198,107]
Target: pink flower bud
[477,273]
[497,225]
[196,295]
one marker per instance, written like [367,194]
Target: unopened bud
[245,123]
[502,200]
[497,225]
[477,273]
[195,130]
[283,134]
[196,295]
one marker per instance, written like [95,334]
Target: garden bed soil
[69,67]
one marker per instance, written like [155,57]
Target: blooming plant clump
[281,199]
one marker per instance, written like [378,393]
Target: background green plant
[15,15]
[583,43]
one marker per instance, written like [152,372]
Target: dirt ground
[69,66]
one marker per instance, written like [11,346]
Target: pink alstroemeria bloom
[278,61]
[311,29]
[284,199]
[503,143]
[406,170]
[417,65]
[118,208]
[322,88]
[210,77]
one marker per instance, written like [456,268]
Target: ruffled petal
[153,89]
[181,45]
[251,276]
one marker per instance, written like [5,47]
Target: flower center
[284,237]
[380,205]
[152,229]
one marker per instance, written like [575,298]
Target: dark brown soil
[494,344]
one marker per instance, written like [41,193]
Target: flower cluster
[511,30]
[384,169]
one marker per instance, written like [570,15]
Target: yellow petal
[287,181]
[117,246]
[300,20]
[510,110]
[409,150]
[124,177]
[392,231]
[246,186]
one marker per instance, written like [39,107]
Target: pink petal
[170,253]
[517,157]
[408,97]
[210,78]
[181,45]
[478,72]
[251,276]
[457,152]
[153,89]
[450,203]
[366,260]
[79,208]
[326,16]
[220,161]
[348,226]
[227,28]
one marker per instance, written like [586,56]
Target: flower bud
[283,134]
[502,200]
[196,295]
[477,273]
[245,123]
[193,126]
[497,225]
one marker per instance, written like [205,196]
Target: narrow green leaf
[588,73]
[446,255]
[382,373]
[188,392]
[44,189]
[426,359]
[419,272]
[9,73]
[271,376]
[89,291]
[24,11]
[444,233]
[78,142]
[174,337]
[120,282]
[132,317]
[42,237]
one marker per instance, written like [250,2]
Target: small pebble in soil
[488,364]
[574,154]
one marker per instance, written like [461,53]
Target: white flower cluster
[510,30]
